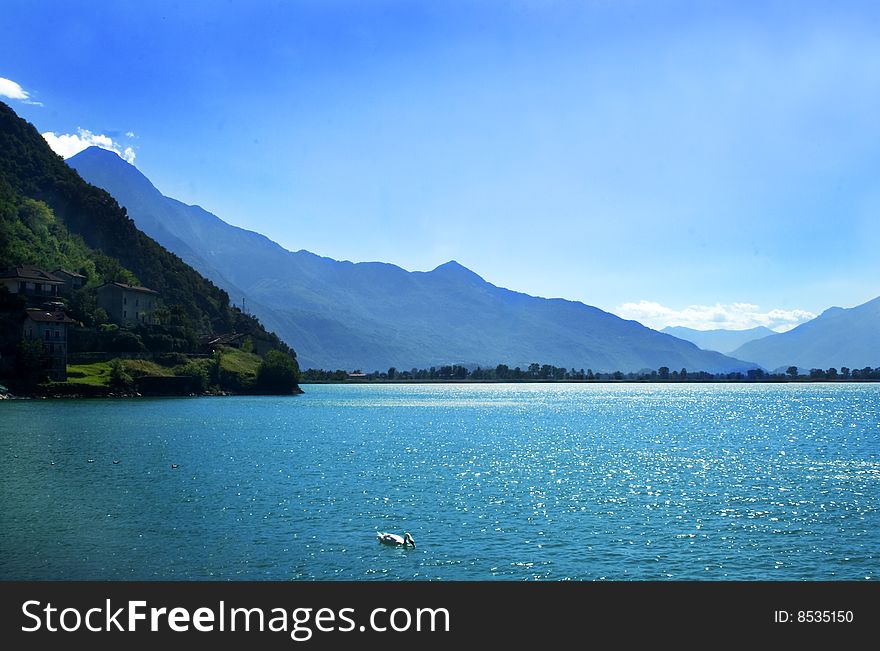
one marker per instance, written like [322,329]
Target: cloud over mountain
[70,144]
[731,316]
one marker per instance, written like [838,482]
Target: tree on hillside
[120,380]
[278,373]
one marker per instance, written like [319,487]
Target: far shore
[800,380]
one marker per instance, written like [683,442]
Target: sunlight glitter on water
[494,481]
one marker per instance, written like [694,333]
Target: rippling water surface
[534,481]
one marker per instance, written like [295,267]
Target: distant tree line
[548,373]
[844,373]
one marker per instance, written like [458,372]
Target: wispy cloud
[13,90]
[731,316]
[70,144]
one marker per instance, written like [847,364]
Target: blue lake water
[526,481]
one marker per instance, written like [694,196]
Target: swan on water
[394,539]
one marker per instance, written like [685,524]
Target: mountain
[724,341]
[837,337]
[50,217]
[372,315]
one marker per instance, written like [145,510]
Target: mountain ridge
[373,315]
[837,337]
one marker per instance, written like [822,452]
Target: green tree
[792,372]
[278,373]
[126,341]
[200,375]
[663,372]
[120,380]
[84,307]
[216,368]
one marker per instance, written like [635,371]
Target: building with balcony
[31,282]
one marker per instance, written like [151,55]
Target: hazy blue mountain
[837,337]
[373,315]
[724,341]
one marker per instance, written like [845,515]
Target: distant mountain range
[837,337]
[724,341]
[372,315]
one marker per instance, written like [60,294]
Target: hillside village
[46,296]
[63,335]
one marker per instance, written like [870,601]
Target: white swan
[394,539]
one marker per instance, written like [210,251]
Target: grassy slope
[238,361]
[232,360]
[98,373]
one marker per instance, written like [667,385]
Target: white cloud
[12,90]
[69,144]
[731,316]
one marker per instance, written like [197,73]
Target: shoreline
[805,380]
[102,395]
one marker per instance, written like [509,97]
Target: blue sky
[690,163]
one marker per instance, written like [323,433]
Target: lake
[494,481]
